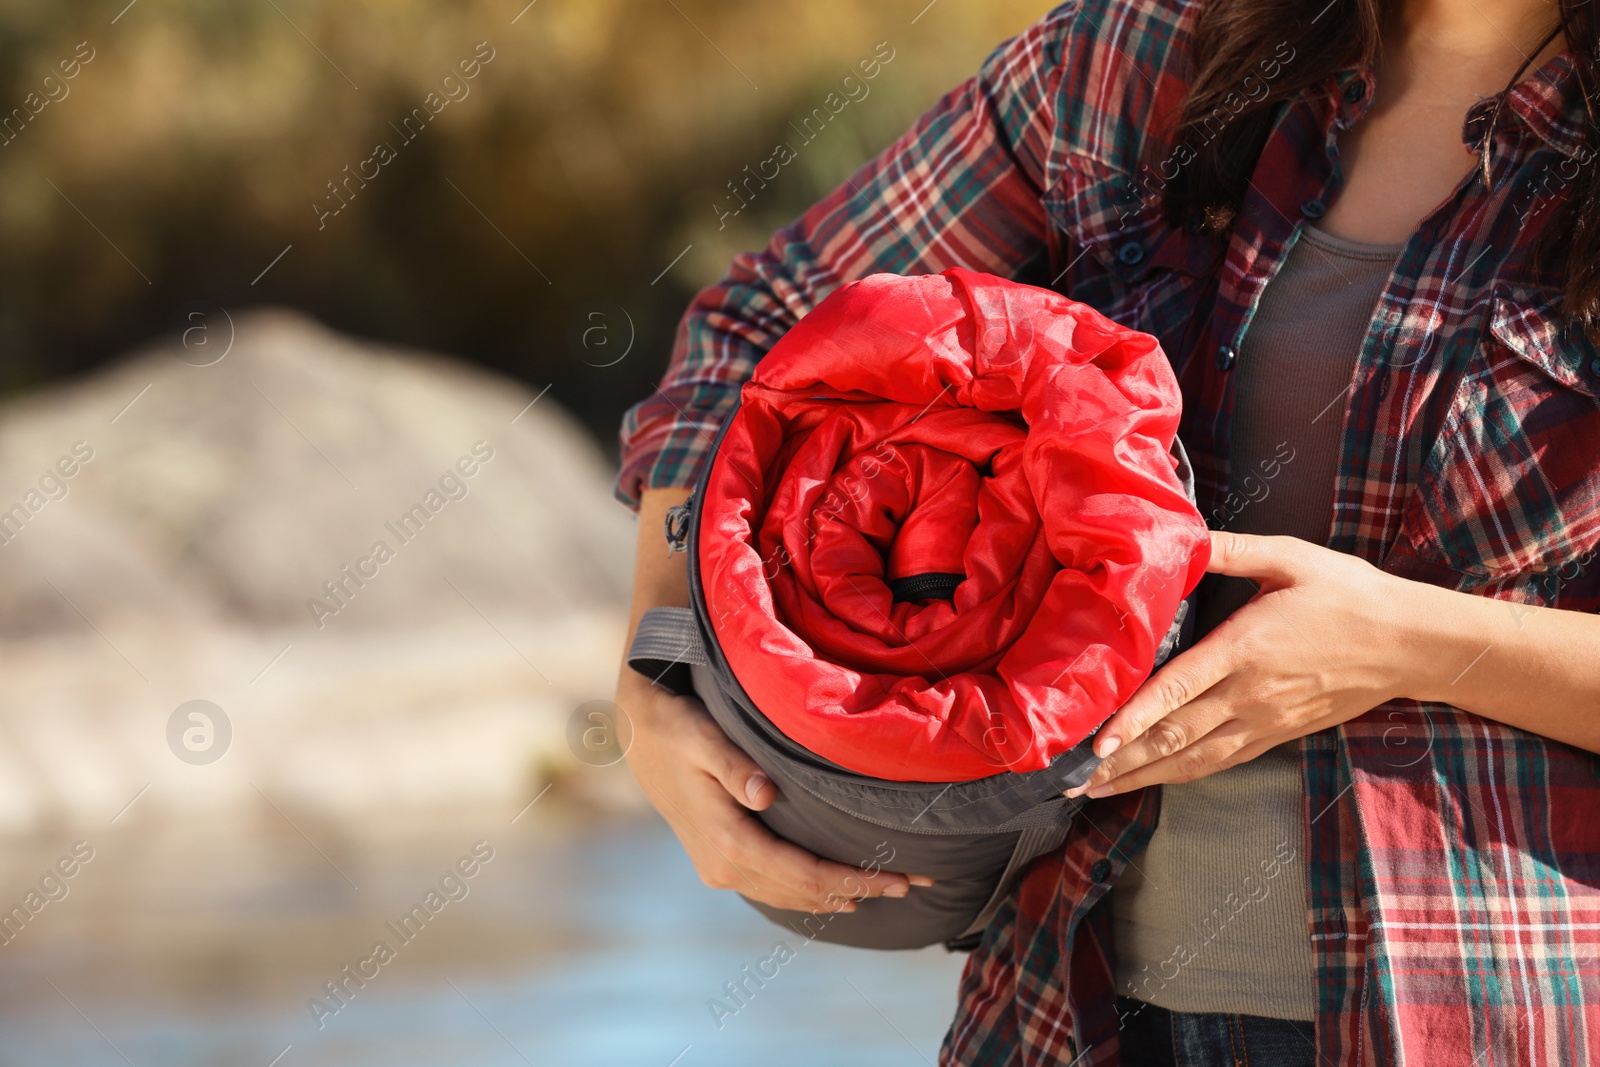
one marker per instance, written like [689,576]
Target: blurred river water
[586,939]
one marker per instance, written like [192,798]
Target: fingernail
[1076,791]
[897,890]
[1101,791]
[752,786]
[1109,745]
[919,879]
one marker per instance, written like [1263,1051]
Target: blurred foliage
[584,157]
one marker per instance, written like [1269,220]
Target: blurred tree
[546,198]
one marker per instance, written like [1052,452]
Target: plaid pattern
[1453,863]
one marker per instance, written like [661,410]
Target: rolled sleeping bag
[946,533]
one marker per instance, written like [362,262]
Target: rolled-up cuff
[667,459]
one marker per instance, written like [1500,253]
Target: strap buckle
[676,526]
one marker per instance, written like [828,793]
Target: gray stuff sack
[972,838]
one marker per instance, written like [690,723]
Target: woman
[1355,823]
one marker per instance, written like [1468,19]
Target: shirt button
[1099,871]
[1355,91]
[1131,253]
[1226,357]
[1313,209]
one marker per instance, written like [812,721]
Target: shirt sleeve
[963,187]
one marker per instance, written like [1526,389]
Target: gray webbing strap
[667,638]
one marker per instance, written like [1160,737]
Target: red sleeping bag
[912,433]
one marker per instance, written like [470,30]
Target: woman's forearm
[1330,637]
[660,578]
[1531,667]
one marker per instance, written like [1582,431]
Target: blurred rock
[218,538]
[239,488]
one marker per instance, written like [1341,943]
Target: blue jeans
[1156,1037]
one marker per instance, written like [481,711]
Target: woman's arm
[1329,637]
[1533,667]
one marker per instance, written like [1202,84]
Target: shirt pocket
[1511,487]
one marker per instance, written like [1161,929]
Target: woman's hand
[1320,643]
[702,784]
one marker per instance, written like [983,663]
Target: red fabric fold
[948,424]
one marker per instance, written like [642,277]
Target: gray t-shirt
[1211,917]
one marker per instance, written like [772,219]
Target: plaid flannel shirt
[1452,863]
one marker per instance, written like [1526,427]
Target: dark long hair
[1234,37]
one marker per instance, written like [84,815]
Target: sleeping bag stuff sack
[947,531]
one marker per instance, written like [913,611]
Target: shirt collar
[1548,100]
